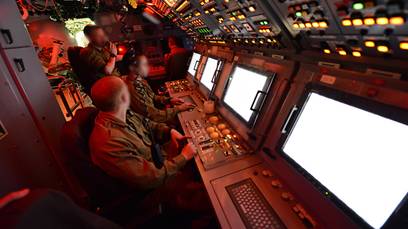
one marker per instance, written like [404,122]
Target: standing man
[101,55]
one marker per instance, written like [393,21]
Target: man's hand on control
[176,101]
[113,49]
[185,106]
[188,151]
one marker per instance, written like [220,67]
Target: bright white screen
[194,59]
[242,91]
[359,156]
[208,73]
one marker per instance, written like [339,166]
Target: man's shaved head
[109,93]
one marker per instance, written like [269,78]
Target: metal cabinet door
[25,161]
[30,76]
[13,32]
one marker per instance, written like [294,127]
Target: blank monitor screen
[194,64]
[242,89]
[208,73]
[359,156]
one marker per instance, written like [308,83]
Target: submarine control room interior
[230,114]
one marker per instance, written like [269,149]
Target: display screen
[242,91]
[194,64]
[359,156]
[208,73]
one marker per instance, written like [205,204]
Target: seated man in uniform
[100,56]
[143,99]
[121,141]
[175,48]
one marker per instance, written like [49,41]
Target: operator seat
[108,196]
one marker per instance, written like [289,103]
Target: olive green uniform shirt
[123,150]
[144,100]
[95,60]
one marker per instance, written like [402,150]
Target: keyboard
[254,209]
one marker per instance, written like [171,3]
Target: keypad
[252,206]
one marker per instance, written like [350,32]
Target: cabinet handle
[7,36]
[255,99]
[195,65]
[19,64]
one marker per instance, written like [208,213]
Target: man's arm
[121,159]
[138,105]
[110,66]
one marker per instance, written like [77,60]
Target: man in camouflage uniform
[121,141]
[100,56]
[143,99]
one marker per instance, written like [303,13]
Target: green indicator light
[358,6]
[298,14]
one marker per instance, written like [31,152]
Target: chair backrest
[85,77]
[101,188]
[177,65]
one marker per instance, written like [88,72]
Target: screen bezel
[391,112]
[216,77]
[267,88]
[198,65]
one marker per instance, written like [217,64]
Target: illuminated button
[358,6]
[315,24]
[404,45]
[296,26]
[383,48]
[301,25]
[298,14]
[267,173]
[369,21]
[252,9]
[308,25]
[369,44]
[356,53]
[397,20]
[342,52]
[323,24]
[346,22]
[327,51]
[357,22]
[382,20]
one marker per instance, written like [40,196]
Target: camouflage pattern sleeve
[94,60]
[120,158]
[161,99]
[140,106]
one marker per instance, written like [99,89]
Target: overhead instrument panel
[346,27]
[379,27]
[245,23]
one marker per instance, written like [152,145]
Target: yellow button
[369,44]
[382,21]
[342,52]
[356,53]
[357,22]
[369,21]
[397,20]
[383,48]
[346,22]
[404,45]
[327,51]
